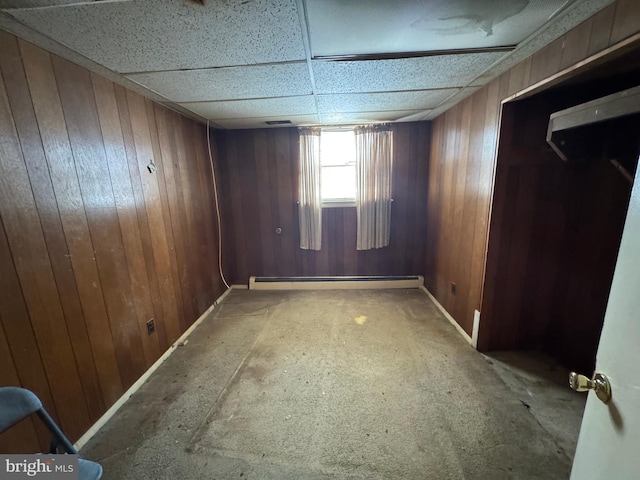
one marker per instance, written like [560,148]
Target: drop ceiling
[241,63]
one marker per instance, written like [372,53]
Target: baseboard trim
[334,283]
[82,441]
[446,314]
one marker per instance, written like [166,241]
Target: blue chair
[18,403]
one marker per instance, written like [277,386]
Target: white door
[609,442]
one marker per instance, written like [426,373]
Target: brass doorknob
[600,384]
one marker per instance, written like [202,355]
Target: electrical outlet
[151,326]
[453,288]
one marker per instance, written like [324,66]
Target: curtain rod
[347,126]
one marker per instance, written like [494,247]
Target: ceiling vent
[278,122]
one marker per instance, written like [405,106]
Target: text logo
[50,467]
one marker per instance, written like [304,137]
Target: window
[329,178]
[338,168]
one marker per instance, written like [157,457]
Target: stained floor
[365,384]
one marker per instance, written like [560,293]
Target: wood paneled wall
[259,181]
[92,244]
[460,176]
[463,152]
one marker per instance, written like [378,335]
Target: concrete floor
[328,385]
[542,385]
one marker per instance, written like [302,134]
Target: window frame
[338,202]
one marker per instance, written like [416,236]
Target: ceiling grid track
[304,27]
[248,64]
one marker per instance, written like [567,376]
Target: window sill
[339,204]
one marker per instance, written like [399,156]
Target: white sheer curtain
[374,148]
[310,200]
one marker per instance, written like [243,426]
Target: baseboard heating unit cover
[334,283]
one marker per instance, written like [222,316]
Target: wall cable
[215,196]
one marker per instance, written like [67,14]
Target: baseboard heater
[334,283]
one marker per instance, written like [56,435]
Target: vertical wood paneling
[50,121]
[155,216]
[612,24]
[458,304]
[286,148]
[209,235]
[181,192]
[250,201]
[400,188]
[25,432]
[264,190]
[547,61]
[451,159]
[434,210]
[236,265]
[183,236]
[517,255]
[198,167]
[259,170]
[518,78]
[422,145]
[626,21]
[576,44]
[482,150]
[207,231]
[466,301]
[125,205]
[92,244]
[180,324]
[25,363]
[141,211]
[600,37]
[22,109]
[350,259]
[462,159]
[33,267]
[76,95]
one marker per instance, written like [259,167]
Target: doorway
[556,224]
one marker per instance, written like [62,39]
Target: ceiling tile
[338,27]
[282,107]
[369,102]
[451,101]
[422,73]
[229,83]
[364,117]
[415,117]
[261,122]
[234,49]
[153,35]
